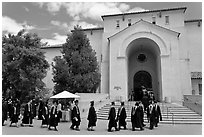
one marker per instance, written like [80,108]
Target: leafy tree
[77,70]
[23,65]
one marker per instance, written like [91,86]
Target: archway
[141,78]
[144,67]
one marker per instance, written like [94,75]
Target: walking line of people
[51,116]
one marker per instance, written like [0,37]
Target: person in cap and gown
[53,119]
[15,112]
[92,117]
[121,116]
[40,109]
[45,114]
[138,117]
[158,115]
[4,111]
[151,114]
[112,118]
[75,116]
[28,115]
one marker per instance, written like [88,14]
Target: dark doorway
[141,78]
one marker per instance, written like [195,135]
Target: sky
[52,21]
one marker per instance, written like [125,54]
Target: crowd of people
[51,114]
[152,111]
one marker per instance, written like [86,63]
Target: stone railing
[193,102]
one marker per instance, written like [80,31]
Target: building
[157,49]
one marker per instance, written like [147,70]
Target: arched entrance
[144,67]
[141,78]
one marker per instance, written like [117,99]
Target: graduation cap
[92,102]
[76,101]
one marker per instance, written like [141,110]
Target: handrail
[168,111]
[193,102]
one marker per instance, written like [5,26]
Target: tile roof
[148,11]
[196,75]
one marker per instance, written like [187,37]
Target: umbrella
[65,94]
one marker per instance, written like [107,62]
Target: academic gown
[157,114]
[138,117]
[75,116]
[92,117]
[15,112]
[53,121]
[122,116]
[112,118]
[151,115]
[28,115]
[45,115]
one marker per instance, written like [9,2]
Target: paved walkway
[101,129]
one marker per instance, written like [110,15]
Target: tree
[23,65]
[77,70]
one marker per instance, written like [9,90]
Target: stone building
[157,49]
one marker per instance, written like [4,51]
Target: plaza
[101,129]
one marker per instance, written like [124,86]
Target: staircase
[171,113]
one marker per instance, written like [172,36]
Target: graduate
[112,118]
[138,116]
[15,112]
[92,117]
[4,111]
[45,114]
[121,116]
[75,117]
[28,115]
[151,114]
[53,119]
[158,115]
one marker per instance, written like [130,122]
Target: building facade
[157,49]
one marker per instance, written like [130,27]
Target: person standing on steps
[92,117]
[121,116]
[112,118]
[75,116]
[138,116]
[151,114]
[158,115]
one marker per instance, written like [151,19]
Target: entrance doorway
[141,78]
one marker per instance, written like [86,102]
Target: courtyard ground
[101,129]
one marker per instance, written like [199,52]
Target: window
[142,57]
[153,20]
[117,23]
[167,19]
[129,22]
[200,89]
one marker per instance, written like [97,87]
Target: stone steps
[181,114]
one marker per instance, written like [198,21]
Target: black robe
[75,116]
[4,111]
[53,121]
[40,109]
[157,114]
[92,117]
[151,115]
[121,116]
[28,115]
[112,118]
[133,110]
[45,115]
[139,117]
[15,112]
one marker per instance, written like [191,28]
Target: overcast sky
[52,21]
